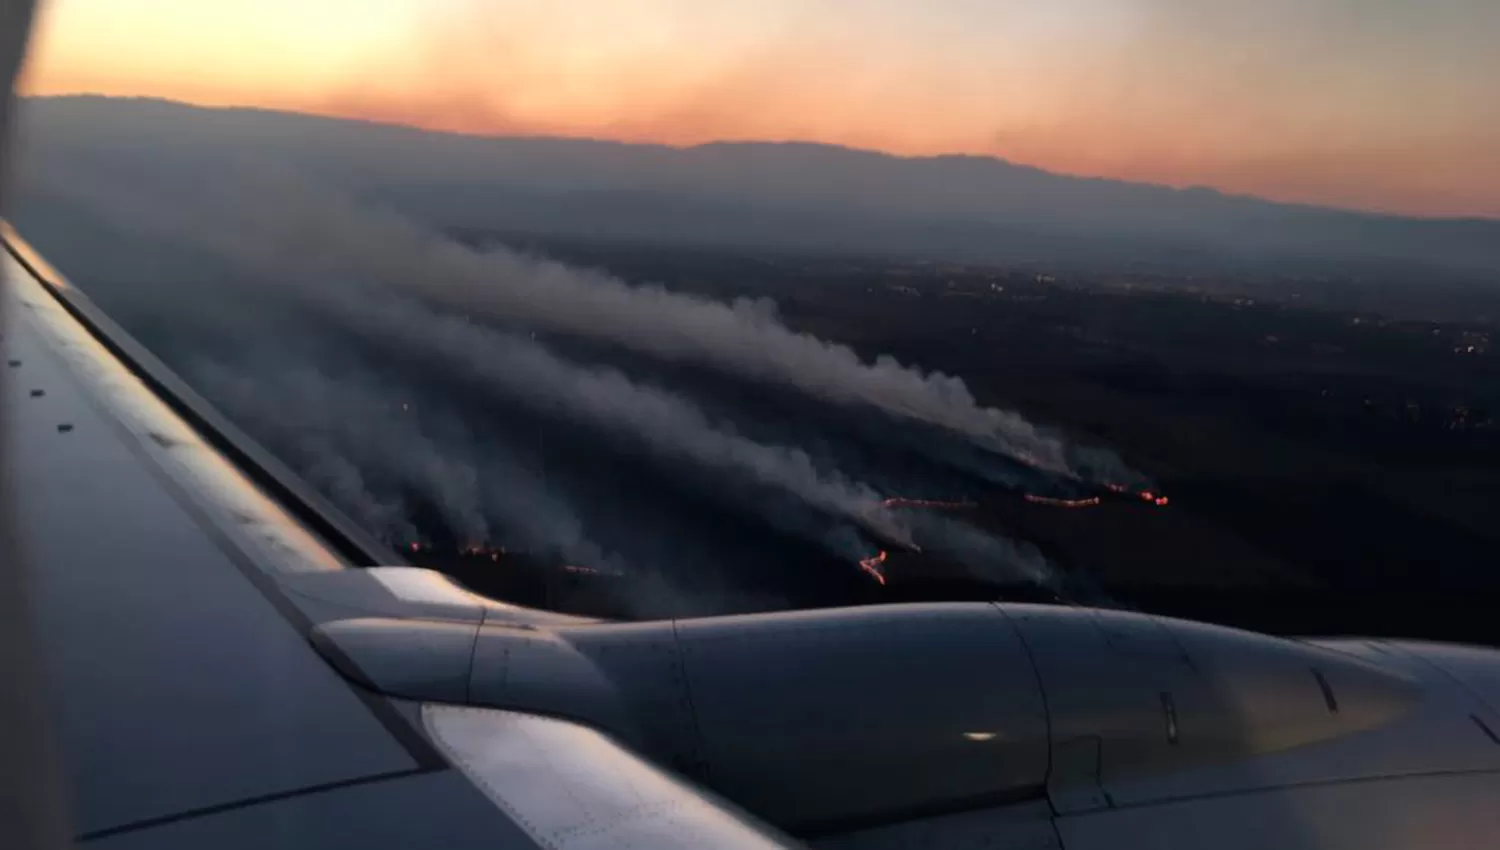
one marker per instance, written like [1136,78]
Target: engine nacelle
[825,721]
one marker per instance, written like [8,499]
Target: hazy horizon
[782,197]
[733,141]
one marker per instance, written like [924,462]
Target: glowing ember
[1149,496]
[1063,503]
[472,550]
[872,564]
[899,502]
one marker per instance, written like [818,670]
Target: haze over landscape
[280,294]
[778,305]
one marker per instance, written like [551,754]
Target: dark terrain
[1314,390]
[1330,470]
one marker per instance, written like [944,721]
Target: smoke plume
[305,314]
[315,233]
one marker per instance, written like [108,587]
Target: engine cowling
[822,721]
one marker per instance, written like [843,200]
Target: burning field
[501,415]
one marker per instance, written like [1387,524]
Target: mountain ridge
[800,194]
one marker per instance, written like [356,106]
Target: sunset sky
[1374,104]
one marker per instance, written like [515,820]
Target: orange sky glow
[1373,104]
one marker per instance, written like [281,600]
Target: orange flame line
[900,502]
[1063,503]
[872,564]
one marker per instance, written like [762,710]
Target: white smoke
[656,420]
[353,438]
[315,233]
[361,267]
[985,555]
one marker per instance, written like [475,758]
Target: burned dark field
[1329,445]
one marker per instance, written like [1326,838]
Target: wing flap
[575,788]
